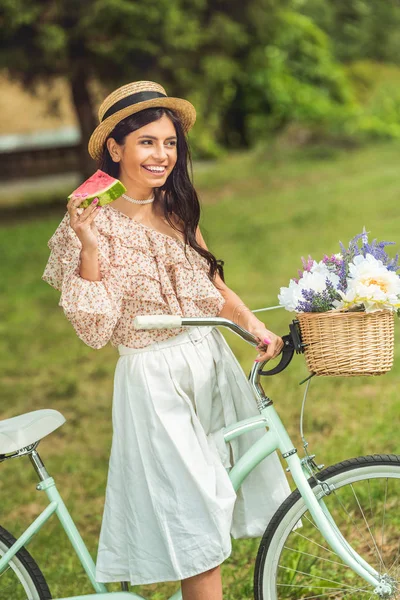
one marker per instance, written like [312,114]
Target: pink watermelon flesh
[101,186]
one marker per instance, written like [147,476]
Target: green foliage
[358,28]
[377,88]
[187,47]
[295,78]
[249,68]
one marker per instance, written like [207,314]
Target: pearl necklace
[148,201]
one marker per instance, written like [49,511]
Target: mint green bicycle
[336,536]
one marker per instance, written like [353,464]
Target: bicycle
[335,536]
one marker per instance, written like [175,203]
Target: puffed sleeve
[93,307]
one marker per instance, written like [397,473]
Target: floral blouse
[143,272]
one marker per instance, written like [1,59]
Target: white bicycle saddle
[23,430]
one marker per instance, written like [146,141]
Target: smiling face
[146,157]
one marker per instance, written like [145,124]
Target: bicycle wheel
[22,578]
[297,563]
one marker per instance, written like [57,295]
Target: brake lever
[286,356]
[291,343]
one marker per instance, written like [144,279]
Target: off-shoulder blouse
[143,272]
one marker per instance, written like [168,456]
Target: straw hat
[130,99]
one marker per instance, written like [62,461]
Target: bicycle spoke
[342,594]
[5,571]
[312,542]
[317,587]
[9,584]
[324,579]
[396,560]
[370,503]
[371,542]
[315,558]
[333,562]
[351,519]
[383,516]
[363,514]
[332,592]
[368,527]
[307,518]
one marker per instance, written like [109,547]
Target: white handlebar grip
[157,322]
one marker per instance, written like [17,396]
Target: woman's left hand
[270,344]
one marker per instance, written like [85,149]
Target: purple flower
[318,301]
[333,263]
[375,248]
[307,264]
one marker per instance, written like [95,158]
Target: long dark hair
[180,197]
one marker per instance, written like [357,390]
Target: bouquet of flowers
[361,277]
[345,307]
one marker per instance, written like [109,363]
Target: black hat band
[130,100]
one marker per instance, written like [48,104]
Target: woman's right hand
[82,221]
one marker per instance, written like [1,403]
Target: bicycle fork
[277,438]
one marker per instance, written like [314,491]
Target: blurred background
[296,146]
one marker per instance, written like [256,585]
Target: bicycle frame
[275,438]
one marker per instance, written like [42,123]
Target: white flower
[319,267]
[315,280]
[289,297]
[370,284]
[327,273]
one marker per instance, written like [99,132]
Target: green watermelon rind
[105,196]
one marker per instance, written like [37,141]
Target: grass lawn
[262,211]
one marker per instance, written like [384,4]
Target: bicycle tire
[22,578]
[285,567]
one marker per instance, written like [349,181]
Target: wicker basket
[347,344]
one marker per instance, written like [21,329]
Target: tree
[40,41]
[216,53]
[116,41]
[291,74]
[359,29]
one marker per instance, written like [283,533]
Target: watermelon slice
[101,186]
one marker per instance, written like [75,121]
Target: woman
[170,507]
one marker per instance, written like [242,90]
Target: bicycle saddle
[21,431]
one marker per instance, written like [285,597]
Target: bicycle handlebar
[292,341]
[174,322]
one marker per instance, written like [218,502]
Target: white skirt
[170,507]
